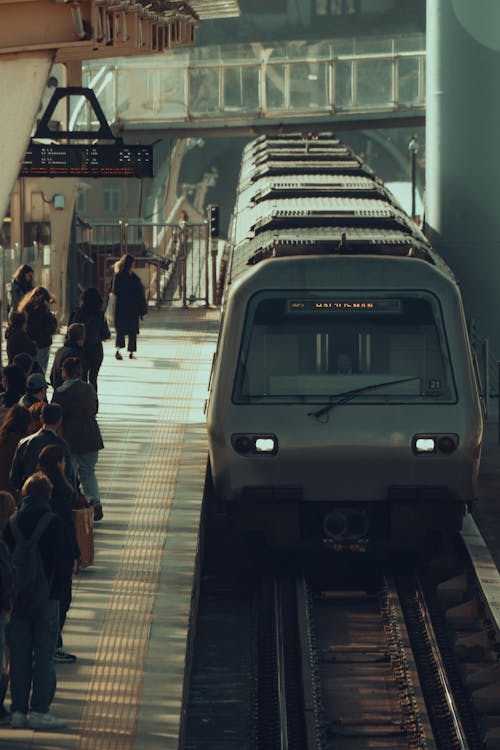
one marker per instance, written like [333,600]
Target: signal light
[213,220]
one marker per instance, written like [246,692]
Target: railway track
[400,656]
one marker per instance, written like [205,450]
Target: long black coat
[130,302]
[79,426]
[67,350]
[42,324]
[26,456]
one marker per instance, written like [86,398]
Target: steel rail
[460,733]
[309,696]
[280,659]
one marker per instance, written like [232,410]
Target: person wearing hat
[25,460]
[72,347]
[36,390]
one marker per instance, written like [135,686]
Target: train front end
[344,408]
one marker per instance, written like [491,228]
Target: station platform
[486,512]
[130,617]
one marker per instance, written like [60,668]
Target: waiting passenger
[18,341]
[36,390]
[27,453]
[62,500]
[14,428]
[80,429]
[36,417]
[25,362]
[32,638]
[72,347]
[42,323]
[22,283]
[14,385]
[91,314]
[7,508]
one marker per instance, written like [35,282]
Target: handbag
[110,309]
[83,518]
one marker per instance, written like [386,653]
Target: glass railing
[259,82]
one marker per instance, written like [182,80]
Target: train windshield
[313,347]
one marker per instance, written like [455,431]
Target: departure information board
[76,160]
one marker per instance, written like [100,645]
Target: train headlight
[251,444]
[425,445]
[435,443]
[265,445]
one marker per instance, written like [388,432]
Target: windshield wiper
[343,398]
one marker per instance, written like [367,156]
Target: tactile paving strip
[112,702]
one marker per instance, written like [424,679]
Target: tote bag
[83,518]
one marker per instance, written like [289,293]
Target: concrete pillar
[463,151]
[22,82]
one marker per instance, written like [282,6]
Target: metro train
[343,404]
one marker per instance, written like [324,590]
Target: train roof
[341,240]
[335,240]
[317,185]
[332,210]
[313,196]
[297,166]
[294,138]
[290,154]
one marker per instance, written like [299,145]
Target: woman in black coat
[91,314]
[18,341]
[22,283]
[130,305]
[42,324]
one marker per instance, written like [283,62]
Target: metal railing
[13,257]
[259,82]
[171,258]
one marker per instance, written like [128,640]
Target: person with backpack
[42,554]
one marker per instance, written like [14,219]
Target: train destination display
[77,160]
[345,305]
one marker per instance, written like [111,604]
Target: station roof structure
[90,29]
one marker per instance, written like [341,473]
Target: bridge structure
[244,88]
[238,89]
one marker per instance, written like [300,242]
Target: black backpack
[31,585]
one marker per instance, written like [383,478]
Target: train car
[343,403]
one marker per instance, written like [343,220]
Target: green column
[463,151]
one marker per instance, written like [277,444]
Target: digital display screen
[352,305]
[76,160]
